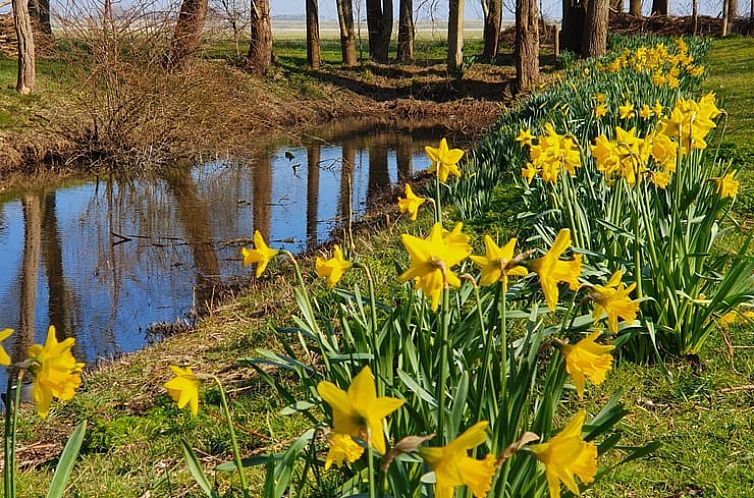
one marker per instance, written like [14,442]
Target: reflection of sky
[114,292]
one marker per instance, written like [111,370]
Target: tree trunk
[403,159]
[380,27]
[726,17]
[27,71]
[595,32]
[572,34]
[635,7]
[39,10]
[406,31]
[312,194]
[348,162]
[455,36]
[492,23]
[52,252]
[732,10]
[660,7]
[262,195]
[347,35]
[695,15]
[617,5]
[32,212]
[312,34]
[527,45]
[188,32]
[260,48]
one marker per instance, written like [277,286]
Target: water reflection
[103,260]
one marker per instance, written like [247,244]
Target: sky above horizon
[438,9]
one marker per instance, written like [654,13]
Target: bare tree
[527,45]
[492,19]
[27,70]
[39,10]
[406,31]
[660,7]
[595,36]
[260,48]
[380,26]
[236,14]
[188,32]
[455,35]
[312,34]
[347,35]
[634,7]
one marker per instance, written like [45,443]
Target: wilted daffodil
[567,455]
[332,269]
[433,258]
[411,203]
[444,160]
[727,186]
[552,270]
[56,372]
[4,358]
[454,467]
[342,448]
[261,254]
[612,299]
[359,412]
[496,263]
[587,360]
[184,388]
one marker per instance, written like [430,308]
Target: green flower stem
[8,442]
[373,335]
[233,440]
[370,459]
[16,404]
[486,363]
[445,322]
[438,210]
[504,348]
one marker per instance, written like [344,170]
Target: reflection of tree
[262,194]
[53,259]
[312,194]
[346,179]
[32,209]
[379,177]
[403,158]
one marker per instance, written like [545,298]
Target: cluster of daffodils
[627,110]
[662,63]
[56,372]
[551,153]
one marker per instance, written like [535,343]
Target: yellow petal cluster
[358,412]
[552,270]
[433,258]
[566,456]
[444,160]
[496,263]
[56,372]
[664,64]
[690,122]
[453,466]
[184,388]
[411,203]
[552,153]
[612,299]
[587,360]
[727,185]
[260,255]
[4,357]
[342,448]
[332,269]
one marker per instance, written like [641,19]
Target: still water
[105,260]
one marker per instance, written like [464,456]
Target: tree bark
[595,32]
[406,31]
[455,36]
[634,7]
[380,26]
[39,10]
[260,48]
[492,21]
[347,35]
[695,15]
[188,32]
[617,5]
[27,71]
[527,45]
[732,10]
[726,17]
[572,34]
[312,34]
[660,7]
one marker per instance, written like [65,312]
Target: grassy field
[702,413]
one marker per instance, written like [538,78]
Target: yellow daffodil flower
[433,258]
[332,269]
[727,186]
[184,388]
[453,467]
[600,111]
[528,172]
[411,203]
[612,299]
[567,455]
[552,270]
[4,358]
[444,160]
[657,108]
[56,372]
[359,412]
[524,137]
[587,360]
[601,98]
[659,79]
[645,112]
[261,254]
[495,264]
[342,448]
[626,111]
[661,179]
